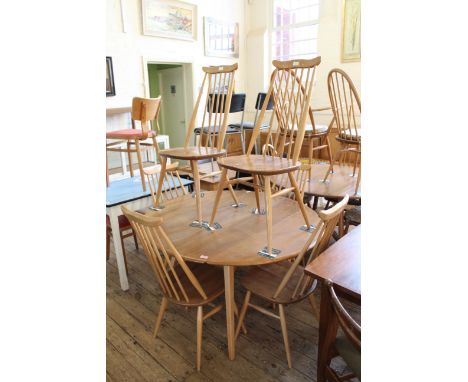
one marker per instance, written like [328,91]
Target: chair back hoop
[351,328]
[345,103]
[214,101]
[320,238]
[261,99]
[172,178]
[290,87]
[166,262]
[146,110]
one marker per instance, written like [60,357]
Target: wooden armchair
[286,283]
[215,100]
[144,110]
[346,345]
[179,281]
[291,88]
[346,106]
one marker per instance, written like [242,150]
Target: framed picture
[110,85]
[351,31]
[221,38]
[169,18]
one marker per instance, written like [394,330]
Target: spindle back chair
[214,100]
[175,187]
[348,346]
[286,283]
[178,280]
[346,106]
[290,88]
[144,119]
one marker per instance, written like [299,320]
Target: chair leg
[107,243]
[135,239]
[196,178]
[130,164]
[244,308]
[140,164]
[284,329]
[156,149]
[199,335]
[222,181]
[330,155]
[236,314]
[162,310]
[269,213]
[257,191]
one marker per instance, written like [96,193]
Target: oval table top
[242,235]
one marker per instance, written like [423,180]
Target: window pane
[288,43]
[287,12]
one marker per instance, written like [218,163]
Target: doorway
[172,83]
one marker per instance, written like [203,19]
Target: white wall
[258,14]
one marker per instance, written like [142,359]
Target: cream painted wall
[258,16]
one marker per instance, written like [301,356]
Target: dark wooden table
[341,263]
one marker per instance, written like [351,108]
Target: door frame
[188,81]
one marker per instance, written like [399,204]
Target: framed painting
[169,18]
[110,85]
[221,38]
[351,31]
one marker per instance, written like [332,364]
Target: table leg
[229,296]
[114,213]
[328,327]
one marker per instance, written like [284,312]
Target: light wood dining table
[239,240]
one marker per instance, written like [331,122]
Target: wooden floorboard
[134,355]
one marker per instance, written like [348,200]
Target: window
[295,29]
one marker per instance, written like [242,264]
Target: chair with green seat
[347,344]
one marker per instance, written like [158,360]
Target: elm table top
[242,234]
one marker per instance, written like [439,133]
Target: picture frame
[169,19]
[351,31]
[221,38]
[110,84]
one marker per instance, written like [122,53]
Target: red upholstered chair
[125,229]
[144,110]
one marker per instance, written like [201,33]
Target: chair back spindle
[175,187]
[168,265]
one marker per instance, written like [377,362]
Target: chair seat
[259,164]
[353,216]
[353,135]
[211,279]
[123,222]
[248,125]
[128,134]
[264,280]
[349,353]
[193,153]
[215,130]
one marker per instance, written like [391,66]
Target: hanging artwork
[221,38]
[110,85]
[169,18]
[351,31]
